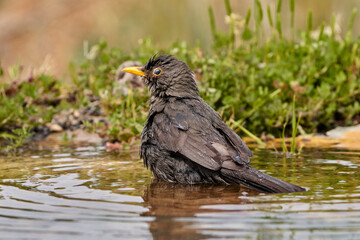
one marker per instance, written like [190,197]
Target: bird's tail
[259,181]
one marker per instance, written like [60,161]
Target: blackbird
[184,140]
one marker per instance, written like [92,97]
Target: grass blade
[278,25]
[332,25]
[292,16]
[350,24]
[247,132]
[294,127]
[283,144]
[212,23]
[228,7]
[309,21]
[278,8]
[258,15]
[269,16]
[232,23]
[321,32]
[247,18]
[309,26]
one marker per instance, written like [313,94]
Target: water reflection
[173,199]
[170,202]
[85,192]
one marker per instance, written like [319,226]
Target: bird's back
[192,130]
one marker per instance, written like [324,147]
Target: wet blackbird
[185,140]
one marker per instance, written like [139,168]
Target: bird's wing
[184,132]
[174,134]
[242,151]
[236,142]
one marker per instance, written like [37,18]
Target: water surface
[87,193]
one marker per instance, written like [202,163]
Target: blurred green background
[48,34]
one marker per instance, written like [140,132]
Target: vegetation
[250,77]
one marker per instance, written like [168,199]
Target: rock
[76,114]
[77,136]
[127,80]
[80,135]
[56,128]
[345,132]
[72,120]
[75,122]
[61,118]
[112,146]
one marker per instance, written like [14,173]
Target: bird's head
[167,76]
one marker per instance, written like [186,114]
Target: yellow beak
[134,70]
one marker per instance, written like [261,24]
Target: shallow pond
[87,193]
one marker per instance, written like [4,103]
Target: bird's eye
[157,71]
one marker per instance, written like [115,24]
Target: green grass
[248,76]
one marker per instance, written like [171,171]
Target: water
[87,193]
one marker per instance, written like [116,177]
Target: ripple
[87,193]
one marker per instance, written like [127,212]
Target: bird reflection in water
[175,205]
